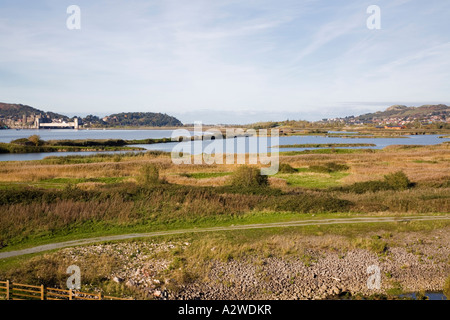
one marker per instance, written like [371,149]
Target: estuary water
[236,145]
[63,134]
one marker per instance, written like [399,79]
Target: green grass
[91,229]
[98,157]
[358,234]
[425,161]
[58,183]
[328,151]
[81,180]
[14,148]
[313,181]
[205,175]
[326,145]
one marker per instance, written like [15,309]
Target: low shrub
[366,186]
[392,181]
[329,167]
[246,176]
[22,142]
[305,203]
[398,180]
[286,168]
[149,175]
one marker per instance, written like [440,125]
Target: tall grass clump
[394,181]
[246,176]
[329,167]
[286,168]
[447,288]
[149,175]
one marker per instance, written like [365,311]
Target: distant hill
[17,111]
[137,119]
[12,115]
[407,113]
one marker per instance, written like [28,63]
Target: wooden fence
[18,291]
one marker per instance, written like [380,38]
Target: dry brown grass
[428,163]
[50,269]
[213,182]
[421,164]
[278,183]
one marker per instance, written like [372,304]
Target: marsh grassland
[67,198]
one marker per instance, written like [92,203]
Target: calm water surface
[62,134]
[228,145]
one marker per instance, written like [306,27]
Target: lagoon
[228,145]
[62,134]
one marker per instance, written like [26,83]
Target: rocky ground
[411,262]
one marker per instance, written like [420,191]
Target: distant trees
[132,119]
[149,119]
[92,120]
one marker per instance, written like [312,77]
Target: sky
[225,61]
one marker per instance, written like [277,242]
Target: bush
[398,180]
[392,181]
[35,140]
[329,167]
[23,142]
[447,288]
[286,168]
[305,203]
[149,175]
[366,186]
[246,176]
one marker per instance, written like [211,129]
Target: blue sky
[222,61]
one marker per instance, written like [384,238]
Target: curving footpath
[296,223]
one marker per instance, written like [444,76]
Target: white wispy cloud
[294,56]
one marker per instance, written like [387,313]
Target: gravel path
[296,223]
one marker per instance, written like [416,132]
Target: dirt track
[297,223]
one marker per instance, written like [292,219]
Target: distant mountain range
[19,115]
[400,114]
[17,111]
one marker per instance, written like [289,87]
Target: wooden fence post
[7,289]
[42,292]
[99,296]
[70,294]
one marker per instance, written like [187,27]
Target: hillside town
[397,120]
[395,117]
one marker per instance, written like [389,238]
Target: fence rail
[19,291]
